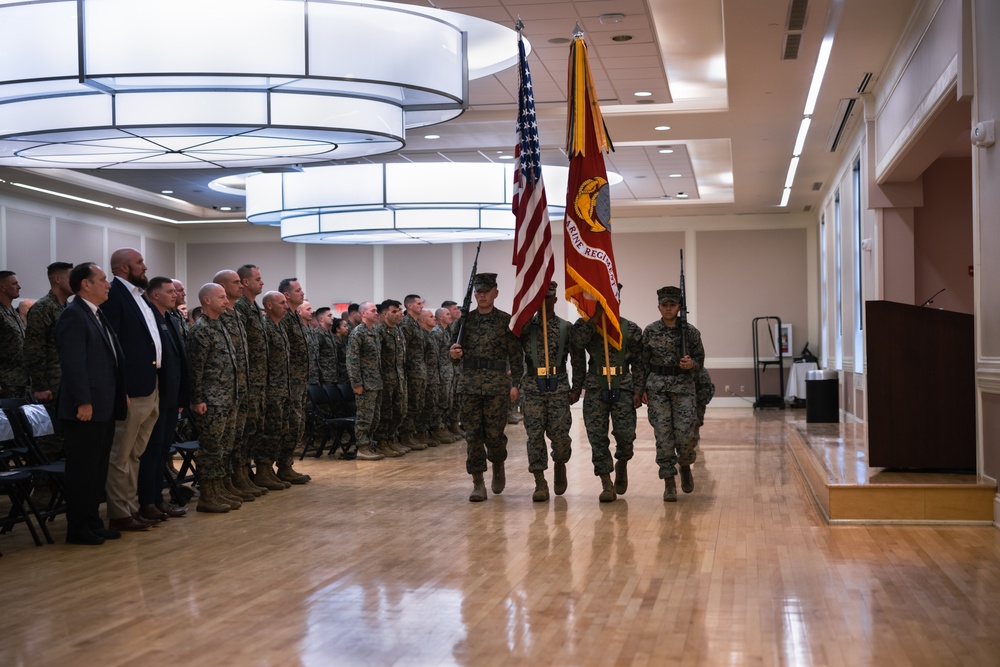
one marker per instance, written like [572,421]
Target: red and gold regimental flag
[591,275]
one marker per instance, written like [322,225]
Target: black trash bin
[822,397]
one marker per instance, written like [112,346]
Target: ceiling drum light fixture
[107,84]
[399,203]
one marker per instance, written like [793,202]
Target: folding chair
[187,446]
[345,408]
[33,422]
[327,416]
[16,485]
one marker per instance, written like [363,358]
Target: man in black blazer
[132,318]
[91,398]
[172,388]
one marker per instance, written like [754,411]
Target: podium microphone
[931,300]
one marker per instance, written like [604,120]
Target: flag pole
[545,337]
[607,356]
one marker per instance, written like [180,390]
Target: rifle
[682,316]
[467,303]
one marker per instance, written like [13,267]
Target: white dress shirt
[147,314]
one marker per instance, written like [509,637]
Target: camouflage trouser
[253,430]
[237,452]
[446,398]
[674,418]
[484,419]
[432,406]
[275,428]
[546,413]
[295,415]
[367,418]
[14,391]
[392,411]
[216,431]
[416,390]
[595,417]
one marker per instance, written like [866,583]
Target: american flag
[533,262]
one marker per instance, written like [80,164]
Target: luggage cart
[760,364]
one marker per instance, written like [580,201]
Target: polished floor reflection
[387,563]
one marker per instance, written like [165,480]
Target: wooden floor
[387,563]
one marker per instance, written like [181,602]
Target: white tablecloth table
[796,387]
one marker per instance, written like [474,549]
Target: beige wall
[942,244]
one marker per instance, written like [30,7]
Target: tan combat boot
[265,477]
[621,477]
[456,428]
[687,479]
[288,474]
[216,490]
[559,486]
[499,478]
[541,493]
[227,491]
[442,435]
[669,490]
[608,492]
[478,494]
[368,453]
[385,450]
[425,437]
[244,492]
[209,502]
[409,441]
[244,473]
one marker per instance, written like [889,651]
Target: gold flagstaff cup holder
[547,379]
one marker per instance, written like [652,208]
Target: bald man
[214,390]
[131,316]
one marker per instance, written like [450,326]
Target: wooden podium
[921,387]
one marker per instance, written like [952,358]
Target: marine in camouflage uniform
[488,349]
[432,397]
[670,391]
[238,456]
[414,428]
[546,394]
[298,378]
[364,372]
[275,433]
[41,358]
[327,357]
[446,374]
[617,402]
[252,317]
[392,352]
[13,374]
[213,367]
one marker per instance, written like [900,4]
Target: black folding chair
[332,417]
[16,485]
[186,445]
[33,422]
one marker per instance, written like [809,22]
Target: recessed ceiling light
[642,93]
[676,175]
[681,195]
[666,151]
[166,192]
[611,19]
[622,38]
[662,128]
[506,157]
[225,208]
[432,136]
[559,40]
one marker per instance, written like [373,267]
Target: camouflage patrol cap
[484,281]
[553,288]
[670,293]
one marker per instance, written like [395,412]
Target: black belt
[666,370]
[487,364]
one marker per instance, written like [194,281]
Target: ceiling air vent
[865,81]
[791,48]
[797,10]
[840,119]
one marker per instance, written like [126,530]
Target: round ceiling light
[106,84]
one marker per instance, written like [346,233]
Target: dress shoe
[129,523]
[149,522]
[152,513]
[107,534]
[84,538]
[172,511]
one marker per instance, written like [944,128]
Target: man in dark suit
[173,391]
[91,398]
[132,318]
